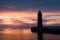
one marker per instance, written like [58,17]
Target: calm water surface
[17,34]
[23,34]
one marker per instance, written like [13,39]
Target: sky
[24,12]
[44,5]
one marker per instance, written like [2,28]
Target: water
[17,34]
[23,34]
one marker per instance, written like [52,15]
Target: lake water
[23,34]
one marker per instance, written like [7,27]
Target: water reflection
[51,37]
[17,34]
[23,34]
[15,31]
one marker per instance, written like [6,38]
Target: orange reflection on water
[16,31]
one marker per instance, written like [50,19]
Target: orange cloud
[17,15]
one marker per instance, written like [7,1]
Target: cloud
[33,18]
[51,21]
[1,21]
[20,4]
[6,6]
[23,23]
[44,5]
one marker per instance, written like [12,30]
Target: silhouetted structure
[39,24]
[39,19]
[40,29]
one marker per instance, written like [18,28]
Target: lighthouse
[39,19]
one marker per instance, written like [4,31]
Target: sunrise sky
[24,12]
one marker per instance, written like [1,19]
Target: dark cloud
[6,6]
[19,4]
[45,5]
[51,5]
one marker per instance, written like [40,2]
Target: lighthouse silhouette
[39,19]
[40,29]
[39,24]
